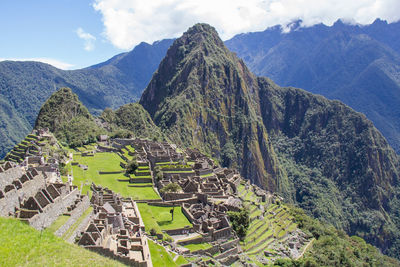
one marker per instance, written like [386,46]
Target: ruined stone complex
[31,190]
[116,229]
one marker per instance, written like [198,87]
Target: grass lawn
[108,162]
[159,218]
[22,245]
[160,257]
[195,247]
[58,223]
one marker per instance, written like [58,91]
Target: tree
[132,166]
[240,221]
[172,187]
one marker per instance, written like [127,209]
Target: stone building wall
[12,199]
[52,211]
[8,176]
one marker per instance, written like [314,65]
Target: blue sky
[72,34]
[47,29]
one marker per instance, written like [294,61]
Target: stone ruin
[116,229]
[29,196]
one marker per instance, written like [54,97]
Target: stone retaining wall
[140,180]
[112,172]
[81,227]
[108,253]
[75,214]
[180,231]
[197,240]
[232,251]
[177,196]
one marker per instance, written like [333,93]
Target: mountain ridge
[351,63]
[203,96]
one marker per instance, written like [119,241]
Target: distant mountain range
[25,86]
[359,65]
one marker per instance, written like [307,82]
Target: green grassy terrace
[108,162]
[195,247]
[22,245]
[159,218]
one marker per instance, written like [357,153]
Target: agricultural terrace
[116,181]
[266,227]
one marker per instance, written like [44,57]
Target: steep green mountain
[65,116]
[202,95]
[132,117]
[317,153]
[25,86]
[359,65]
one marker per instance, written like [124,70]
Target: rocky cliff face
[318,153]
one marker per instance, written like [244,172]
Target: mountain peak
[201,33]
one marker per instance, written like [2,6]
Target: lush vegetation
[347,62]
[333,247]
[22,245]
[132,117]
[68,119]
[171,187]
[240,221]
[131,166]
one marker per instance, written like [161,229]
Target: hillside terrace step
[262,248]
[255,225]
[260,243]
[261,226]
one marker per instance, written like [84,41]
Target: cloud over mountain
[128,23]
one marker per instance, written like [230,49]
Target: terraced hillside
[270,225]
[30,146]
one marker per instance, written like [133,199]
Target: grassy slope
[21,245]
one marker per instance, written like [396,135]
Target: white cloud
[54,62]
[129,22]
[87,37]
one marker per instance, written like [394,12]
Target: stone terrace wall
[81,227]
[75,214]
[51,212]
